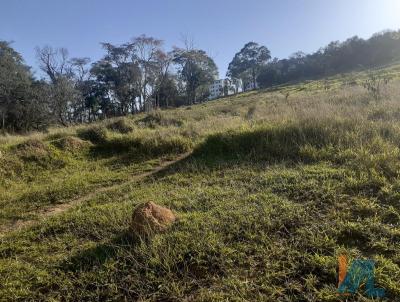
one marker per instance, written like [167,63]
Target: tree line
[132,77]
[141,75]
[337,57]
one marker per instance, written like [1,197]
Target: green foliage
[197,70]
[22,107]
[335,58]
[248,62]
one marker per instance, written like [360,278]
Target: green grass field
[279,184]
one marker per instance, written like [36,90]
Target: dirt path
[60,208]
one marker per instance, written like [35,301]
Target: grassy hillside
[278,184]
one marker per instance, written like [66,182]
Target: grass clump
[32,148]
[284,141]
[148,145]
[94,134]
[36,153]
[158,118]
[70,144]
[120,126]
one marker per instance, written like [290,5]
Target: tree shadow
[269,144]
[91,258]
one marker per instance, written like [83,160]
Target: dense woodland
[337,57]
[141,75]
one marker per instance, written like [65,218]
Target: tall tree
[196,70]
[60,70]
[54,62]
[248,62]
[153,63]
[21,104]
[119,75]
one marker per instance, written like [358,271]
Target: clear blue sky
[220,27]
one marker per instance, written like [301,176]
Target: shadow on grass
[275,144]
[127,150]
[92,258]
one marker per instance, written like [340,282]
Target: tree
[196,70]
[133,72]
[21,106]
[119,75]
[248,62]
[268,76]
[167,94]
[336,57]
[153,63]
[65,96]
[83,84]
[54,62]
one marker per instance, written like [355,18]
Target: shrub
[95,134]
[157,118]
[120,126]
[374,85]
[251,112]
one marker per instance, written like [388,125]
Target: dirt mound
[149,218]
[32,144]
[32,149]
[70,143]
[36,152]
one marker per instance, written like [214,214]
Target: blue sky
[219,27]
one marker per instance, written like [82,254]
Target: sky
[220,27]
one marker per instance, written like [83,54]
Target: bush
[157,118]
[251,112]
[95,134]
[120,126]
[374,84]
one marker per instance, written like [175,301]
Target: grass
[276,188]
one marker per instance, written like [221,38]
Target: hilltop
[270,186]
